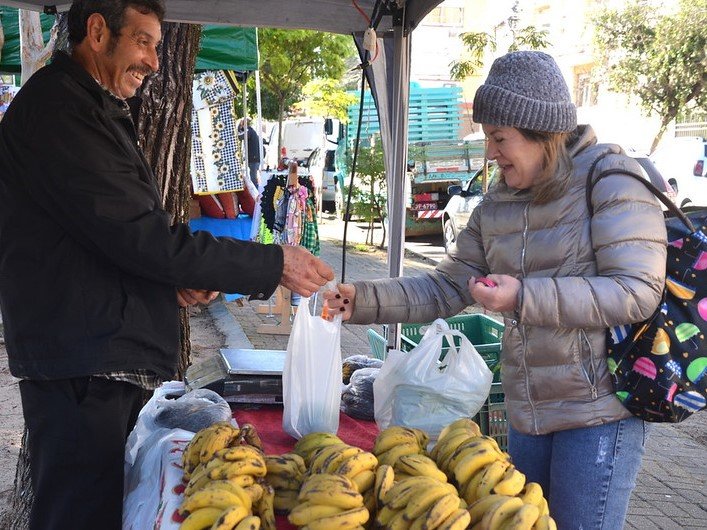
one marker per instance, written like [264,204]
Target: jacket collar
[109,102]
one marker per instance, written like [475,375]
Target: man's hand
[303,273]
[502,297]
[188,297]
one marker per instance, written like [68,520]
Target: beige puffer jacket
[579,276]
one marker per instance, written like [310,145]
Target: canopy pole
[396,191]
[259,110]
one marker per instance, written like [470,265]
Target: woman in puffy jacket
[561,278]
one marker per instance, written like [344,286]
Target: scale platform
[241,375]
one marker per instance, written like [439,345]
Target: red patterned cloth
[267,420]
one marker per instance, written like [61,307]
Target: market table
[267,420]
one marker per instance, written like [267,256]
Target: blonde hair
[557,164]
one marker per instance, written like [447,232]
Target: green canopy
[222,47]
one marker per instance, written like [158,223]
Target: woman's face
[520,159]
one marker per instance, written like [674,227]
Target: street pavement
[670,491]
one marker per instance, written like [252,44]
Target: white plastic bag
[415,389]
[311,379]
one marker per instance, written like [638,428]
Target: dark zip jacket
[89,259]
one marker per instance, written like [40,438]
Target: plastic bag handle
[330,286]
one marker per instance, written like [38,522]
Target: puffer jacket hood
[579,276]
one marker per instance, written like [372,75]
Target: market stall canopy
[336,16]
[222,47]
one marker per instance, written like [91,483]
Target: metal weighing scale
[241,375]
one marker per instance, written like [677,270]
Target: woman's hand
[189,297]
[340,302]
[502,297]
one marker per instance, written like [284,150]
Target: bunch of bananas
[351,462]
[309,443]
[496,492]
[397,441]
[328,501]
[221,505]
[419,502]
[205,443]
[285,474]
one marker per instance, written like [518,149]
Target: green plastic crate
[492,417]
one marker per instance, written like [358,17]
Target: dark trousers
[77,431]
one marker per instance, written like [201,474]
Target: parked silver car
[463,199]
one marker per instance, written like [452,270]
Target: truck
[433,167]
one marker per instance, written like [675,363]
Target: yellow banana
[214,498]
[523,519]
[327,481]
[342,499]
[416,465]
[254,492]
[342,521]
[252,522]
[398,522]
[364,480]
[230,518]
[492,475]
[545,522]
[231,487]
[285,500]
[196,482]
[384,515]
[512,482]
[285,467]
[357,463]
[438,512]
[458,520]
[321,455]
[445,448]
[190,456]
[283,483]
[544,508]
[479,508]
[392,437]
[220,437]
[240,480]
[470,447]
[391,455]
[468,491]
[532,493]
[385,477]
[265,508]
[461,423]
[240,452]
[499,512]
[421,502]
[399,497]
[471,463]
[201,518]
[332,463]
[422,437]
[312,441]
[239,467]
[304,513]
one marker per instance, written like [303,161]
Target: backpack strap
[591,182]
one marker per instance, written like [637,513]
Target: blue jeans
[587,474]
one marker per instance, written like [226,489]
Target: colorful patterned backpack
[659,366]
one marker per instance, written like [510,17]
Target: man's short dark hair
[113,11]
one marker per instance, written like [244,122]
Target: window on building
[586,90]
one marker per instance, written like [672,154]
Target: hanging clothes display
[217,159]
[288,213]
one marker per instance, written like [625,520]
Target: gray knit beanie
[525,90]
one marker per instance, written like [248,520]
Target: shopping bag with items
[311,379]
[417,389]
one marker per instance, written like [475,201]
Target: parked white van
[301,136]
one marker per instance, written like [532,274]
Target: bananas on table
[464,481]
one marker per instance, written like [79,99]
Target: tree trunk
[164,129]
[33,52]
[165,136]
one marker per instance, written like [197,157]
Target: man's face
[131,55]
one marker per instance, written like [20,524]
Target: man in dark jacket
[253,141]
[92,270]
